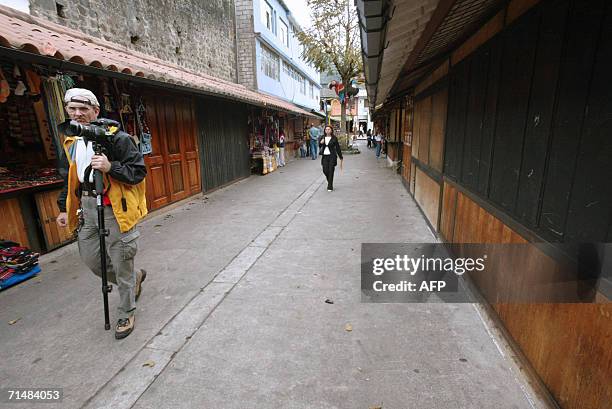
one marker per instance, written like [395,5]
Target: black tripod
[98,132]
[102,233]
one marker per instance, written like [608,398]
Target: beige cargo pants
[120,250]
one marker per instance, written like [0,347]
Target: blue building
[269,54]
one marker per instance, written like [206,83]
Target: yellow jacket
[134,195]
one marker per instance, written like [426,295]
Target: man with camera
[123,170]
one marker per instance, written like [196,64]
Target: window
[302,82]
[267,16]
[283,33]
[287,70]
[270,63]
[311,90]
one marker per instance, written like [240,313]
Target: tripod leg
[102,232]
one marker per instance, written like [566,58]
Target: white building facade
[269,57]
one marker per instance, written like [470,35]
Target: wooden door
[157,185]
[189,147]
[174,127]
[55,236]
[173,166]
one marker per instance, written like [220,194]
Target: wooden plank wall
[529,121]
[13,227]
[568,345]
[427,195]
[512,138]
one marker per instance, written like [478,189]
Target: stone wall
[195,34]
[246,44]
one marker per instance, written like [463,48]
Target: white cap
[82,95]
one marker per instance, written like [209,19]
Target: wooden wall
[427,195]
[568,345]
[428,135]
[13,227]
[529,119]
[516,124]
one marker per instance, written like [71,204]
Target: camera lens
[71,128]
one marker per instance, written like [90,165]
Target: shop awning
[404,39]
[20,31]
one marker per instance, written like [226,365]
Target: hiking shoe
[140,277]
[124,327]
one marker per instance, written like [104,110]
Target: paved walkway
[233,312]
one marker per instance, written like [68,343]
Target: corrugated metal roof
[464,17]
[407,23]
[423,31]
[34,35]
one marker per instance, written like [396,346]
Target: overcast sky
[300,11]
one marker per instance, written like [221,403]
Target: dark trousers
[328,169]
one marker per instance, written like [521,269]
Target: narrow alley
[234,314]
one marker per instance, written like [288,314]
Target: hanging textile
[143,129]
[54,90]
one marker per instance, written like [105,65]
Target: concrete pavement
[233,312]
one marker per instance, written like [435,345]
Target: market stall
[29,177]
[264,127]
[32,160]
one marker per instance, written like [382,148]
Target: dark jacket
[334,149]
[127,164]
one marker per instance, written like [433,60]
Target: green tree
[332,42]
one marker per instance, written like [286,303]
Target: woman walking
[329,149]
[281,145]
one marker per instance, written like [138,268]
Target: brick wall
[195,34]
[246,44]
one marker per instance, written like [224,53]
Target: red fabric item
[105,200]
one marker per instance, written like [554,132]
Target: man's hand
[62,219]
[101,163]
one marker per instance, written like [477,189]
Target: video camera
[97,131]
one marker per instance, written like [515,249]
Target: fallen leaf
[149,363]
[348,327]
[13,322]
[376,407]
[328,301]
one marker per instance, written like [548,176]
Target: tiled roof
[38,36]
